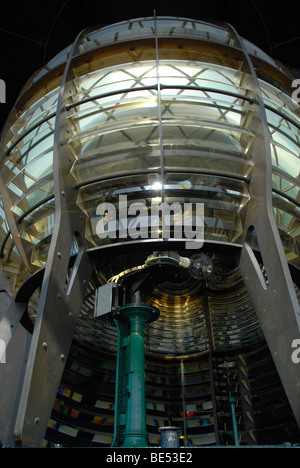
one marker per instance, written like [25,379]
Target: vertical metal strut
[161,147]
[63,289]
[275,300]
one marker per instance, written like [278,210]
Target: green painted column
[130,319]
[234,423]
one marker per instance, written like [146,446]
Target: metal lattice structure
[165,109]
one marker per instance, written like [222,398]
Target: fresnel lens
[150,227]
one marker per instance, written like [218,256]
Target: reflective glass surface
[144,28]
[181,124]
[283,119]
[175,128]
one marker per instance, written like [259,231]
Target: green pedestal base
[130,413]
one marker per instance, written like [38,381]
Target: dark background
[32,32]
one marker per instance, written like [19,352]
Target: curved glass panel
[205,111]
[283,117]
[203,127]
[144,28]
[186,122]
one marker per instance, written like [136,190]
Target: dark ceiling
[33,32]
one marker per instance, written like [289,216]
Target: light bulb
[200,266]
[156,185]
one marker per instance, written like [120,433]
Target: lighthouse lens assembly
[152,162]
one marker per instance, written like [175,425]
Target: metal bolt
[45,345]
[62,357]
[59,254]
[37,420]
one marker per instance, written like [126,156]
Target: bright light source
[156,185]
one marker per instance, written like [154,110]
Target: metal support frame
[161,146]
[275,300]
[17,342]
[62,290]
[12,362]
[246,404]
